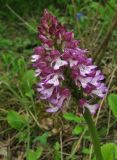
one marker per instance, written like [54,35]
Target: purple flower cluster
[60,52]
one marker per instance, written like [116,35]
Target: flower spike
[59,51]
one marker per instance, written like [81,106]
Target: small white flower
[92,108]
[84,70]
[52,110]
[54,80]
[59,63]
[35,58]
[72,62]
[47,92]
[37,72]
[84,81]
[100,91]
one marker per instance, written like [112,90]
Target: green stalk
[94,134]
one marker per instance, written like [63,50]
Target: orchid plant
[63,69]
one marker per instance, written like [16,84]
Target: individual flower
[92,107]
[60,61]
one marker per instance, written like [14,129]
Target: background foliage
[26,130]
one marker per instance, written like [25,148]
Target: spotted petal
[59,63]
[85,70]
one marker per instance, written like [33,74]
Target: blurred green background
[94,23]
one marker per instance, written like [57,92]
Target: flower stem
[94,134]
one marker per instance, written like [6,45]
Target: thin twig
[77,23]
[108,125]
[77,145]
[21,19]
[93,27]
[61,142]
[100,51]
[39,125]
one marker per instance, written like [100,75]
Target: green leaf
[57,146]
[86,150]
[109,151]
[77,130]
[72,117]
[112,100]
[23,136]
[34,155]
[39,152]
[57,154]
[21,66]
[42,138]
[31,155]
[7,58]
[15,120]
[27,82]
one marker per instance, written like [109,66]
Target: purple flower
[92,107]
[59,57]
